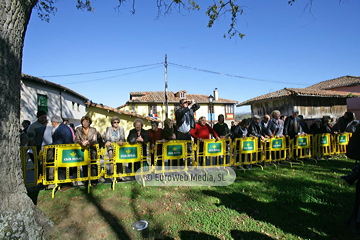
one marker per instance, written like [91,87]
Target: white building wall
[28,103]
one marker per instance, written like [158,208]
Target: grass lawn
[303,202]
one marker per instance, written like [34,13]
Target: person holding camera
[185,118]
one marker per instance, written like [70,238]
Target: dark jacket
[341,125]
[180,115]
[62,135]
[238,132]
[133,136]
[353,149]
[289,127]
[221,129]
[257,130]
[305,127]
[314,129]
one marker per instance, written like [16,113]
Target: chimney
[216,94]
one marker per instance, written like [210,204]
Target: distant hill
[242,115]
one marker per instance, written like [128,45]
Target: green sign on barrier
[276,144]
[128,153]
[174,150]
[302,142]
[343,139]
[214,148]
[72,156]
[248,146]
[324,140]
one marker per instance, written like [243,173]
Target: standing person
[138,135]
[221,128]
[303,124]
[316,127]
[67,123]
[61,135]
[276,124]
[35,134]
[291,126]
[24,139]
[202,131]
[233,126]
[343,123]
[168,133]
[326,127]
[36,130]
[61,132]
[257,130]
[185,118]
[155,135]
[241,130]
[114,134]
[86,136]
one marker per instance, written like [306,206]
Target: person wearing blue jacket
[61,132]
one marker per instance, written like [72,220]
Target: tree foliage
[219,8]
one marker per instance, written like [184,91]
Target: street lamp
[211,99]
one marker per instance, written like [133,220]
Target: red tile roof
[302,92]
[159,97]
[120,111]
[345,81]
[58,86]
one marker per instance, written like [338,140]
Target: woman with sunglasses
[114,134]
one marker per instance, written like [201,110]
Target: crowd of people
[291,126]
[41,133]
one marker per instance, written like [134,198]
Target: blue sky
[283,43]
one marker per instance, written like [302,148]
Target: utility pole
[166,88]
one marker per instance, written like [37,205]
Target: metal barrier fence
[71,163]
[126,160]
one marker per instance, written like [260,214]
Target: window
[73,106]
[133,107]
[42,102]
[229,112]
[78,107]
[182,95]
[152,111]
[229,108]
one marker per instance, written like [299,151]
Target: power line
[111,70]
[98,79]
[230,75]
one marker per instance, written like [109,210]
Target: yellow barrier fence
[212,153]
[127,160]
[247,151]
[274,150]
[340,142]
[69,163]
[30,163]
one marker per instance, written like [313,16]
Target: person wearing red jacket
[202,130]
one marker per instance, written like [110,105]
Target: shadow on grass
[112,220]
[33,193]
[305,208]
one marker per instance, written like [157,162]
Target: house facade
[350,84]
[101,115]
[153,104]
[311,103]
[39,94]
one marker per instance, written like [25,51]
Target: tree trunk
[19,217]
